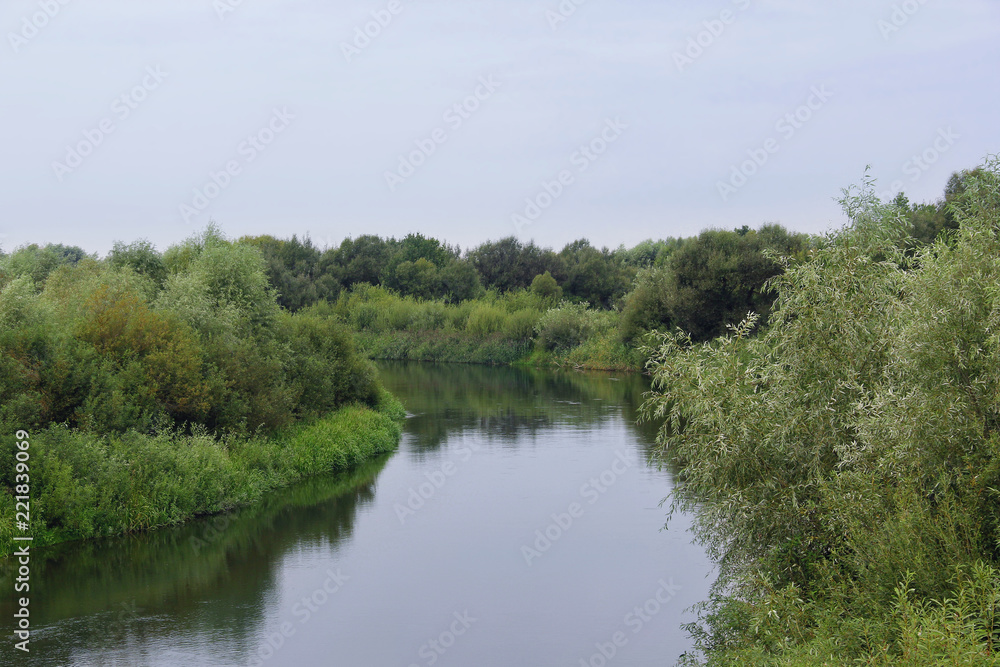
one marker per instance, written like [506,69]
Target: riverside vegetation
[507,302]
[157,388]
[844,463]
[838,446]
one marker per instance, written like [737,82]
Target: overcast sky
[619,120]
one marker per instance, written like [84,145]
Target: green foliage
[460,281]
[293,271]
[928,221]
[650,304]
[485,319]
[594,276]
[843,465]
[107,348]
[141,257]
[520,325]
[565,327]
[326,371]
[356,261]
[495,329]
[710,282]
[37,262]
[86,485]
[546,288]
[508,264]
[419,278]
[150,386]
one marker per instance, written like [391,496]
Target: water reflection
[505,402]
[91,595]
[214,592]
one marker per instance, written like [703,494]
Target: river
[518,525]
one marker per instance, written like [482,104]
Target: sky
[474,120]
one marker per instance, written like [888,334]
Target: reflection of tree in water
[115,589]
[136,593]
[501,402]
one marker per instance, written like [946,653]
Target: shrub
[485,319]
[565,327]
[398,314]
[520,325]
[431,316]
[842,465]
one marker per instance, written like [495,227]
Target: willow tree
[851,447]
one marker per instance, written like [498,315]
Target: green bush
[399,314]
[485,319]
[87,485]
[842,466]
[520,325]
[565,327]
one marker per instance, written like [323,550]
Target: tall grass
[515,327]
[88,485]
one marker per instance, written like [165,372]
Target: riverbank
[517,329]
[599,353]
[90,486]
[843,465]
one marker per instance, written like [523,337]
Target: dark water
[517,526]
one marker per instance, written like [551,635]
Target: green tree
[460,281]
[419,279]
[508,264]
[595,276]
[293,270]
[37,262]
[355,261]
[546,288]
[838,464]
[140,256]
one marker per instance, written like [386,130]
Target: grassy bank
[87,485]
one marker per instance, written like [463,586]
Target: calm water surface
[518,525]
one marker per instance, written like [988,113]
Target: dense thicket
[158,387]
[710,281]
[844,464]
[193,337]
[700,284]
[522,297]
[429,269]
